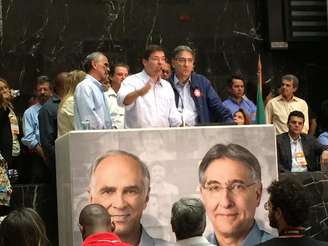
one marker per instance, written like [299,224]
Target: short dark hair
[291,197]
[291,77]
[235,76]
[94,217]
[188,218]
[150,49]
[120,64]
[42,79]
[296,113]
[23,227]
[234,152]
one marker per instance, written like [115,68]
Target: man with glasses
[195,97]
[231,189]
[148,99]
[90,108]
[288,208]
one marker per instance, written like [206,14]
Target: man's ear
[144,61]
[113,226]
[278,213]
[90,198]
[82,231]
[93,64]
[258,193]
[147,198]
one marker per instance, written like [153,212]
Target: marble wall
[48,36]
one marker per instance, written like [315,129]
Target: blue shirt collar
[177,82]
[254,236]
[96,82]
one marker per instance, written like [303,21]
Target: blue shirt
[91,105]
[255,236]
[186,104]
[31,126]
[247,105]
[323,138]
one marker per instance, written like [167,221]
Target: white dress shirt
[116,112]
[155,109]
[186,103]
[298,156]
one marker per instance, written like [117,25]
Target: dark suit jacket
[311,148]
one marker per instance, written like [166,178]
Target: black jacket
[208,104]
[311,148]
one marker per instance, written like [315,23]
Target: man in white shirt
[278,108]
[148,99]
[117,74]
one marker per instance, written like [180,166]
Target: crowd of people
[163,94]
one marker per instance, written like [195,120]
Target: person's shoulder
[199,78]
[300,100]
[132,78]
[275,99]
[166,83]
[32,109]
[248,101]
[282,135]
[271,241]
[227,101]
[147,240]
[84,83]
[161,242]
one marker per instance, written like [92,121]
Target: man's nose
[118,201]
[226,199]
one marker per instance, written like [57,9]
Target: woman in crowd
[65,116]
[6,143]
[23,227]
[240,118]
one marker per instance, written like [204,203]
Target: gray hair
[142,165]
[291,77]
[180,48]
[188,218]
[234,152]
[94,56]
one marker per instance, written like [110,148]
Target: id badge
[300,159]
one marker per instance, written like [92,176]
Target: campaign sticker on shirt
[197,93]
[300,159]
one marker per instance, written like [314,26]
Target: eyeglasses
[184,60]
[235,189]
